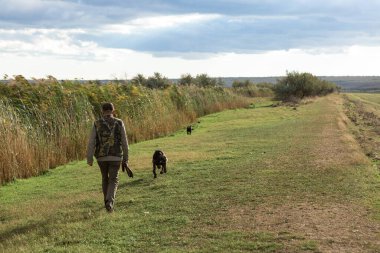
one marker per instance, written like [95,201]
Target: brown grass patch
[365,126]
[336,227]
[47,207]
[335,146]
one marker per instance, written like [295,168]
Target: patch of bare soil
[366,121]
[335,227]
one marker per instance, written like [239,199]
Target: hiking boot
[109,206]
[109,209]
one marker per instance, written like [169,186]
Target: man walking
[108,142]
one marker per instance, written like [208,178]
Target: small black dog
[159,161]
[189,129]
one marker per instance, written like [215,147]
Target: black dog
[159,161]
[189,129]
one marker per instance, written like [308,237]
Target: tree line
[158,81]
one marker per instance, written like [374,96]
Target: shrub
[299,85]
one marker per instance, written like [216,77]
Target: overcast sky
[106,39]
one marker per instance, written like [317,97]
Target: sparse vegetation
[250,89]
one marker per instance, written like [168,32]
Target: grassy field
[369,98]
[261,179]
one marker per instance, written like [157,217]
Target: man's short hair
[108,107]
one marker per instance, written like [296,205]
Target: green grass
[373,97]
[240,183]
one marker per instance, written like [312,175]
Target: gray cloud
[242,26]
[244,35]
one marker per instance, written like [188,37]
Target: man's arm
[91,146]
[124,143]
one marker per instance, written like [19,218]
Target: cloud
[185,28]
[122,63]
[242,34]
[38,42]
[142,25]
[60,14]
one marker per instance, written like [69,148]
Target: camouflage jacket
[108,141]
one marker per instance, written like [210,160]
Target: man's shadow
[133,183]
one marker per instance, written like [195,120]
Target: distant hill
[348,83]
[356,83]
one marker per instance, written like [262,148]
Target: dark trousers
[110,180]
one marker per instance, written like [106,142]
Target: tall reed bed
[47,124]
[34,140]
[159,112]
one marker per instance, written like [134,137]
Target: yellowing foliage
[51,120]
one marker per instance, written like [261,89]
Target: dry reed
[41,132]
